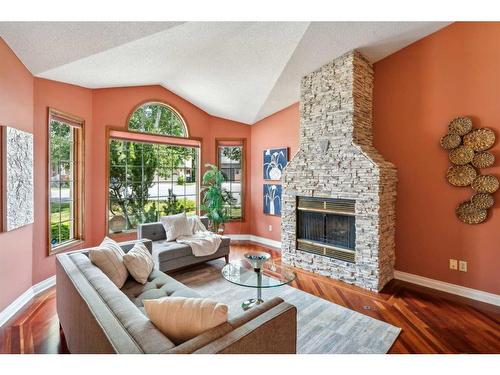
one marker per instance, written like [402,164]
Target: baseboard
[477,295]
[24,298]
[257,239]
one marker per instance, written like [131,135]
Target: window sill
[124,236]
[71,245]
[235,220]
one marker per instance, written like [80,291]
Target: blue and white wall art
[272,199]
[275,159]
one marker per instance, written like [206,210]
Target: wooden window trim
[235,142]
[78,125]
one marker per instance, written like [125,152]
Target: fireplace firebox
[327,227]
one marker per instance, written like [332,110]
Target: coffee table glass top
[271,275]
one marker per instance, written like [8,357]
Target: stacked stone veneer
[336,110]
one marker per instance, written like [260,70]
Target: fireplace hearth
[327,227]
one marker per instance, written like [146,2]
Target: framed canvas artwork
[17,178]
[275,160]
[272,199]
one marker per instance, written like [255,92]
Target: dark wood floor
[431,321]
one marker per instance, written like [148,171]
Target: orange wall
[16,110]
[418,90]
[76,101]
[278,130]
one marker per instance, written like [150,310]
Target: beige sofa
[97,317]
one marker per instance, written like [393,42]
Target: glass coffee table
[269,275]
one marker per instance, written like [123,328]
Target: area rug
[322,327]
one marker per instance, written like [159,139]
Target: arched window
[157,118]
[151,174]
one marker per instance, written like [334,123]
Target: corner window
[65,179]
[230,160]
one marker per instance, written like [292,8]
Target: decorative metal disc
[470,214]
[461,155]
[461,175]
[480,139]
[485,184]
[460,125]
[483,200]
[483,159]
[450,141]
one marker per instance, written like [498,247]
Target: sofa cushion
[168,250]
[139,327]
[158,285]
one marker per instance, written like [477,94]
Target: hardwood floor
[431,321]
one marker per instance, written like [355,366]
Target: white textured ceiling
[242,71]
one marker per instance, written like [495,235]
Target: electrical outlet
[270,228]
[462,266]
[453,264]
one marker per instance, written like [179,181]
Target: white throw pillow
[181,319]
[108,256]
[139,262]
[176,226]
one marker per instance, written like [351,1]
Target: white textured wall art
[18,169]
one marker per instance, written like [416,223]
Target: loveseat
[98,317]
[170,255]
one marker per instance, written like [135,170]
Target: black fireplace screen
[328,228]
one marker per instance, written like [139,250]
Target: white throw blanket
[202,241]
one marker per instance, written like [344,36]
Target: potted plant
[215,198]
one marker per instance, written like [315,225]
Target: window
[152,175]
[230,159]
[65,179]
[148,180]
[157,118]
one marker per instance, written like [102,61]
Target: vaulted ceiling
[242,71]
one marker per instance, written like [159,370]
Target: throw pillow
[181,319]
[108,256]
[176,226]
[139,262]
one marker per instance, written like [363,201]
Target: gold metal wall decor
[467,149]
[450,141]
[470,214]
[461,175]
[461,155]
[485,184]
[483,200]
[483,159]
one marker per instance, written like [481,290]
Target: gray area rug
[322,327]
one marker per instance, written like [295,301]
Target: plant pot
[221,229]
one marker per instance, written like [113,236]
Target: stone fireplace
[338,203]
